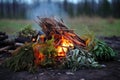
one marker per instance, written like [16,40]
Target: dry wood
[10,51]
[69,34]
[19,44]
[4,48]
[52,26]
[58,43]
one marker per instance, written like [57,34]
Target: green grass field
[101,27]
[12,26]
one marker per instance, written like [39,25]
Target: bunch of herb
[102,51]
[50,53]
[23,59]
[79,58]
[27,32]
[99,49]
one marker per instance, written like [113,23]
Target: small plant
[79,58]
[46,53]
[27,32]
[23,59]
[102,51]
[50,53]
[89,38]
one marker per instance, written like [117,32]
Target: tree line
[14,9]
[102,8]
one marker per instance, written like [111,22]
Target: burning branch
[57,28]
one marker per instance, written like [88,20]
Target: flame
[63,48]
[39,57]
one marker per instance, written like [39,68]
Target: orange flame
[39,57]
[63,48]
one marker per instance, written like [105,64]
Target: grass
[12,26]
[101,27]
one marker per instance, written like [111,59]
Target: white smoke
[45,9]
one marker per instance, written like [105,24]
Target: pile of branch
[3,36]
[3,43]
[7,45]
[52,26]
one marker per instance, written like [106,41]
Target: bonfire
[64,38]
[59,46]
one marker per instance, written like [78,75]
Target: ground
[111,70]
[101,27]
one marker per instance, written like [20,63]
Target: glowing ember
[33,39]
[63,48]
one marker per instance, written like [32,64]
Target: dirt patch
[111,71]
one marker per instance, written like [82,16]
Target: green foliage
[99,49]
[22,60]
[27,32]
[79,58]
[50,53]
[89,38]
[102,51]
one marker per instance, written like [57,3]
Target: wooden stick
[19,44]
[51,26]
[69,34]
[75,41]
[4,48]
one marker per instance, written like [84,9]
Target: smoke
[45,9]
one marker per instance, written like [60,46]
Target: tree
[69,8]
[104,8]
[93,7]
[65,5]
[87,8]
[115,8]
[1,9]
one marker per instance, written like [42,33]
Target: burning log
[57,28]
[64,38]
